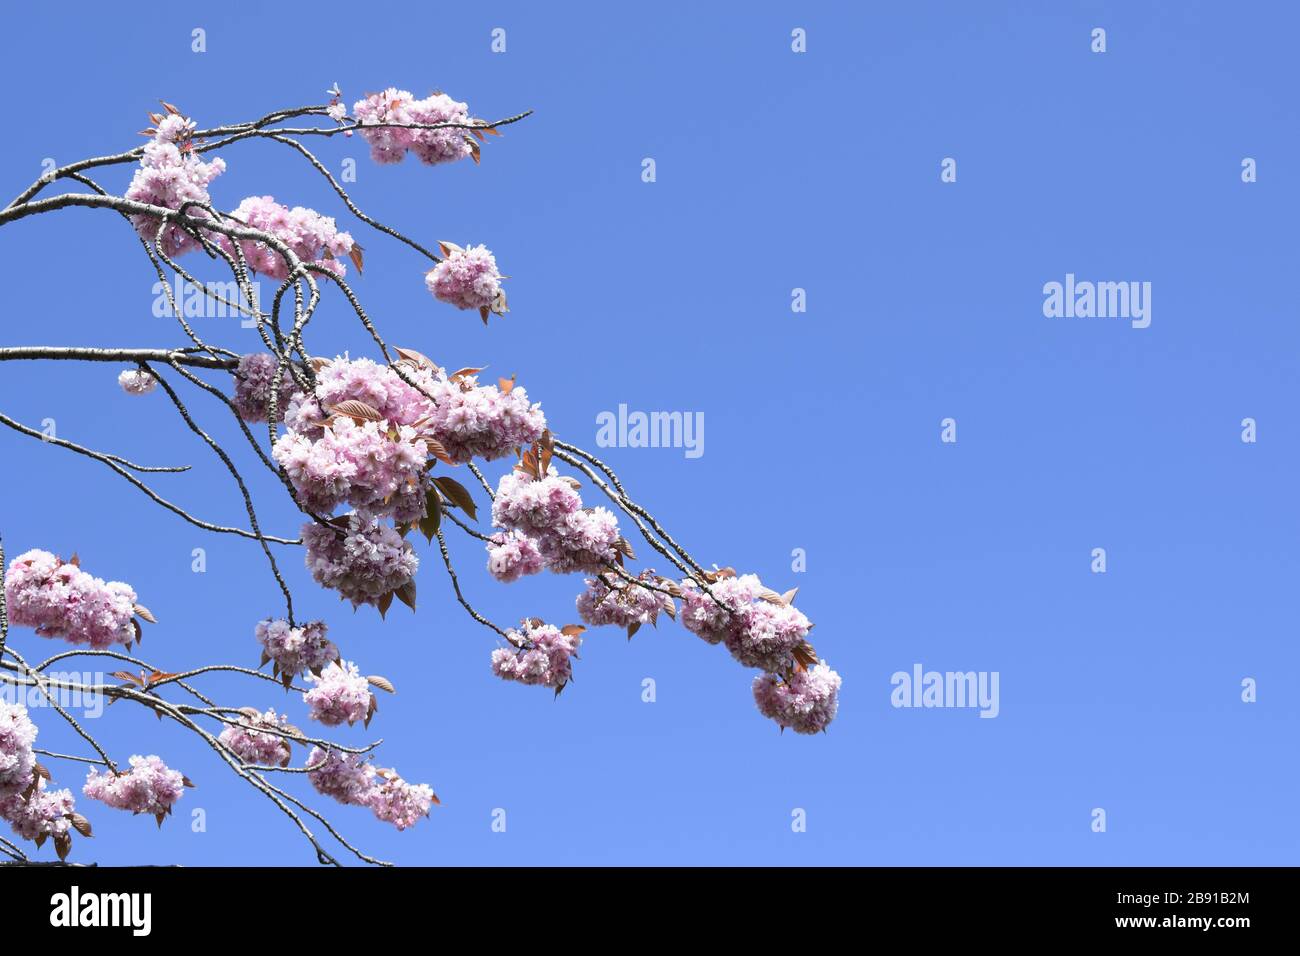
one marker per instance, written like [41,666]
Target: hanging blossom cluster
[340,694]
[150,786]
[352,780]
[367,438]
[542,654]
[170,174]
[364,561]
[33,811]
[313,238]
[391,143]
[43,813]
[611,599]
[295,650]
[763,629]
[804,700]
[250,742]
[136,381]
[547,526]
[468,278]
[59,599]
[254,378]
[17,760]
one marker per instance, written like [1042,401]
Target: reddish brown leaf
[457,494]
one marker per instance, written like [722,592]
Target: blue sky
[775,171]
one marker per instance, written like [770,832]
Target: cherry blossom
[58,599]
[253,378]
[313,238]
[339,695]
[468,279]
[295,649]
[400,107]
[136,381]
[150,786]
[362,559]
[805,700]
[545,657]
[249,741]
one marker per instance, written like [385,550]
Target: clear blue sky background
[775,171]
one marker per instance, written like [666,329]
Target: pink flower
[295,649]
[805,700]
[549,511]
[135,381]
[313,238]
[347,778]
[758,628]
[251,744]
[481,421]
[584,541]
[400,107]
[42,813]
[468,279]
[171,176]
[371,465]
[525,504]
[148,787]
[400,803]
[610,599]
[17,761]
[339,695]
[511,555]
[253,378]
[364,561]
[544,659]
[61,600]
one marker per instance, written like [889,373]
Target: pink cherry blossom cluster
[400,803]
[467,278]
[399,107]
[33,811]
[313,238]
[548,513]
[757,627]
[253,378]
[17,760]
[250,742]
[482,421]
[763,629]
[59,599]
[365,436]
[351,779]
[150,786]
[610,599]
[39,814]
[803,700]
[340,694]
[136,381]
[363,561]
[347,778]
[371,465]
[295,649]
[542,655]
[512,555]
[170,174]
